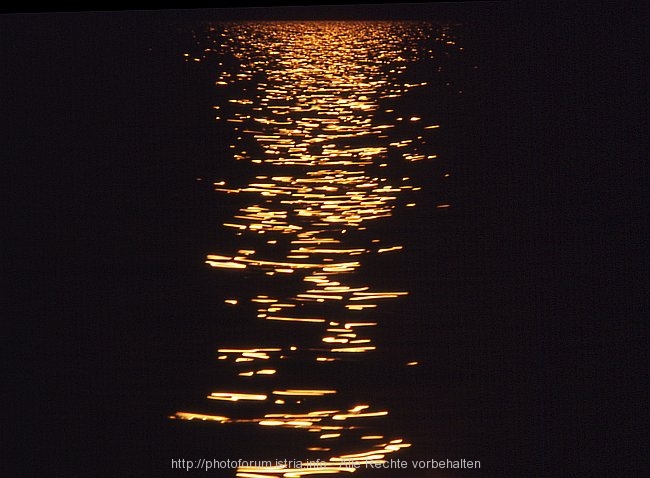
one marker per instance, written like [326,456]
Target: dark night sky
[566,116]
[288,9]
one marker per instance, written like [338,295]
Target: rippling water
[323,116]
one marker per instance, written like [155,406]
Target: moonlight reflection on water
[316,110]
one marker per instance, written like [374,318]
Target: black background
[103,248]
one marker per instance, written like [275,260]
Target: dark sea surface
[280,239]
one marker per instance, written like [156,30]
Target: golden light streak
[345,416]
[306,393]
[199,416]
[360,307]
[288,423]
[310,415]
[235,396]
[334,340]
[256,355]
[376,295]
[354,349]
[295,319]
[264,300]
[321,296]
[388,249]
[266,371]
[350,325]
[226,265]
[315,468]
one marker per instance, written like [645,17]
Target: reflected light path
[312,108]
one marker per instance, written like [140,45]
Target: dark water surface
[276,251]
[292,240]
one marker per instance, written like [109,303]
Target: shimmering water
[327,122]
